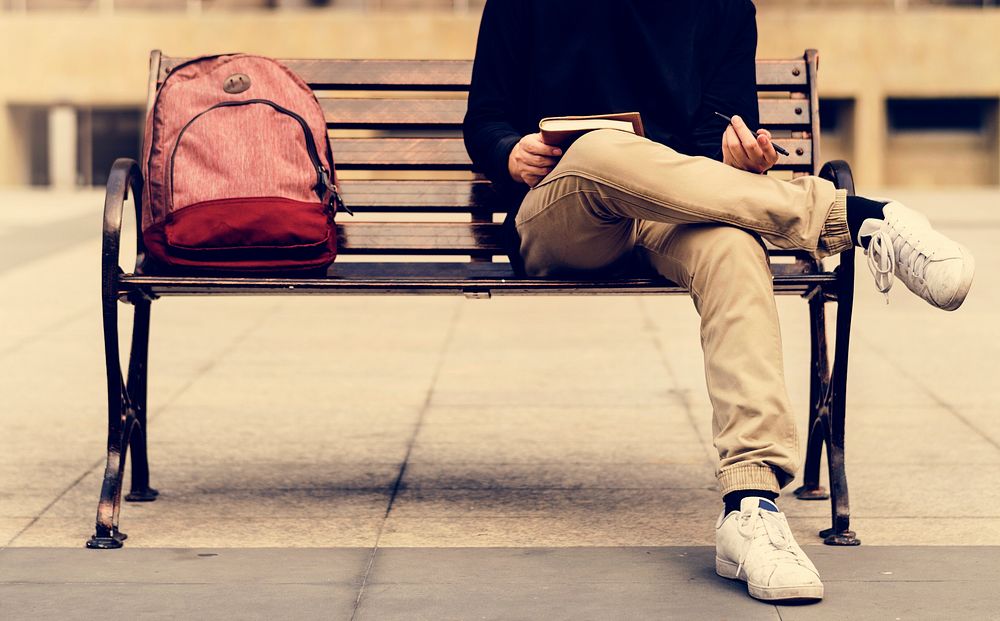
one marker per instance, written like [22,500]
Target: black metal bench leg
[819,390]
[126,400]
[140,490]
[832,423]
[106,534]
[840,534]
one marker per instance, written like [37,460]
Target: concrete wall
[92,59]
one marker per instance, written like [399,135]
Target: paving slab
[565,475]
[190,565]
[594,422]
[153,531]
[600,583]
[196,504]
[953,441]
[571,529]
[668,504]
[909,531]
[506,450]
[913,490]
[250,475]
[10,527]
[484,583]
[570,602]
[173,601]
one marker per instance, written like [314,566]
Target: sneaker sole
[802,593]
[968,271]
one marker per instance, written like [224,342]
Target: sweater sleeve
[489,129]
[732,89]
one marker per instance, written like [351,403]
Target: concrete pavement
[507,583]
[386,423]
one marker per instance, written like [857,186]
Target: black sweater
[674,61]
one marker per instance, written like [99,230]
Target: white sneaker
[932,266]
[756,546]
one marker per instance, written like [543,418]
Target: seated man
[689,202]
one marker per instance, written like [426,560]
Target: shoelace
[780,547]
[882,260]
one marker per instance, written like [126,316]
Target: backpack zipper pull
[338,201]
[335,199]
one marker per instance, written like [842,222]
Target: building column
[62,147]
[870,136]
[8,175]
[993,126]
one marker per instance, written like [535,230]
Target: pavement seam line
[649,326]
[58,497]
[397,484]
[204,368]
[930,393]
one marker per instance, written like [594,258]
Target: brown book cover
[561,130]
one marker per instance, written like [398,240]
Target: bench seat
[427,223]
[409,278]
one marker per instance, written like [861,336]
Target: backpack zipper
[323,181]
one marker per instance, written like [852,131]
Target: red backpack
[238,169]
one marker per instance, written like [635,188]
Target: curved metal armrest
[839,173]
[125,176]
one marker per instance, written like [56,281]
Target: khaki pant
[615,197]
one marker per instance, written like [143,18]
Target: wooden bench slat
[776,113]
[419,237]
[378,113]
[782,74]
[396,113]
[455,75]
[327,74]
[402,153]
[450,154]
[421,196]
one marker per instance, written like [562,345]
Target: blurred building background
[911,88]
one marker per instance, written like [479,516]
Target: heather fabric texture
[615,198]
[246,151]
[227,171]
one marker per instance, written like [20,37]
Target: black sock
[860,209]
[733,499]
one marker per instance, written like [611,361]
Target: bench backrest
[396,125]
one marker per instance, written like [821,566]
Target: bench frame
[127,390]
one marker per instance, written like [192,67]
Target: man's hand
[532,159]
[741,149]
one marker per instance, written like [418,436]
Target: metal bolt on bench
[789,107]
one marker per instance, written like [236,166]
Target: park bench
[403,119]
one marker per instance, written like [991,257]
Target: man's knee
[722,243]
[565,228]
[717,254]
[596,150]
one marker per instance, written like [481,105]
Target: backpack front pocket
[246,175]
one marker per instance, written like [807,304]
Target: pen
[777,147]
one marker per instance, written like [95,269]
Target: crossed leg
[727,271]
[699,223]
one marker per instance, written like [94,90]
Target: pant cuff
[836,236]
[748,476]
